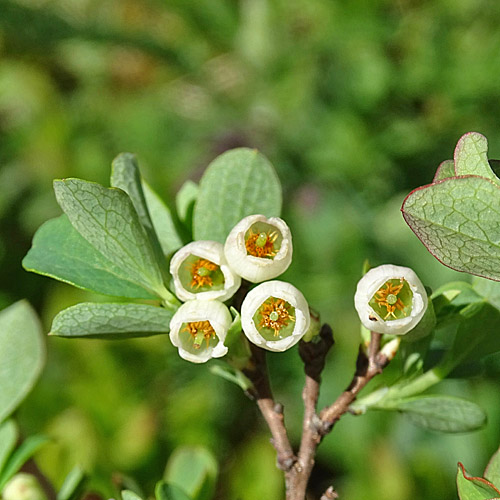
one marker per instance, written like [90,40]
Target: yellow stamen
[201,271]
[199,330]
[261,244]
[275,315]
[388,297]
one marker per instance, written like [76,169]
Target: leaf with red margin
[474,488]
[492,471]
[458,220]
[445,170]
[471,157]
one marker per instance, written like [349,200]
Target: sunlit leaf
[111,321]
[237,183]
[59,251]
[107,219]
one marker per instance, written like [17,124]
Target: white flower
[200,271]
[390,299]
[258,248]
[198,329]
[23,487]
[275,315]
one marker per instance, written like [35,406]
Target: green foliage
[8,439]
[194,470]
[111,321]
[492,471]
[457,217]
[163,222]
[23,453]
[130,495]
[238,183]
[106,218]
[60,252]
[474,488]
[443,413]
[165,491]
[22,355]
[73,485]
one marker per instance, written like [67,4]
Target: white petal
[280,290]
[371,282]
[257,269]
[201,310]
[214,252]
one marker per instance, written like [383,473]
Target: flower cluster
[274,314]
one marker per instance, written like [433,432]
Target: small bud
[200,271]
[390,299]
[198,329]
[275,315]
[23,487]
[258,248]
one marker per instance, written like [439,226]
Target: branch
[272,412]
[367,366]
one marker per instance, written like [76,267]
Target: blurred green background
[355,103]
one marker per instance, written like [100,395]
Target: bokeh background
[355,103]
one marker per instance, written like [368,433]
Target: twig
[329,494]
[367,366]
[272,412]
[313,355]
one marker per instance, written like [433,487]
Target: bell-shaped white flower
[275,315]
[390,299]
[200,271]
[198,329]
[258,248]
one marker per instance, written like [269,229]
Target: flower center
[202,271]
[199,331]
[262,240]
[393,300]
[275,314]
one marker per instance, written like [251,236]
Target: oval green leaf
[59,251]
[8,438]
[442,413]
[164,491]
[22,355]
[107,219]
[237,183]
[457,220]
[111,321]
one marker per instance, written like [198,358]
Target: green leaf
[446,169]
[488,289]
[163,222]
[27,449]
[185,200]
[60,252]
[492,471]
[107,219]
[164,491]
[471,157]
[126,176]
[22,355]
[457,220]
[130,495]
[474,488]
[111,321]
[194,470]
[8,439]
[477,334]
[442,413]
[237,183]
[73,485]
